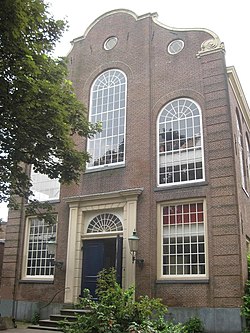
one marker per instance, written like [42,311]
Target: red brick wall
[155,78]
[1,259]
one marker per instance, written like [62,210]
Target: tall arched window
[180,143]
[108,106]
[241,150]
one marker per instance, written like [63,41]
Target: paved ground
[23,328]
[6,325]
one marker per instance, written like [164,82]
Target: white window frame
[175,46]
[105,222]
[241,151]
[40,238]
[108,99]
[190,232]
[248,159]
[174,163]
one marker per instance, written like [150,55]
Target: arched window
[241,150]
[105,223]
[108,106]
[180,143]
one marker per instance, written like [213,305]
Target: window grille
[180,143]
[183,246]
[241,151]
[108,106]
[39,263]
[248,158]
[105,223]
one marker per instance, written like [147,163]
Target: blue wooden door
[99,254]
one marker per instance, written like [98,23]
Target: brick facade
[154,78]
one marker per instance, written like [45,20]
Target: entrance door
[99,254]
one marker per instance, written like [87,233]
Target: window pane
[109,93]
[183,239]
[180,139]
[39,262]
[241,151]
[43,187]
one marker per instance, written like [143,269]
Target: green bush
[245,309]
[194,325]
[35,318]
[116,311]
[248,265]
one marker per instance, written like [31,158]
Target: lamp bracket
[139,262]
[57,264]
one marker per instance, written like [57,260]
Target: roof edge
[111,12]
[210,45]
[155,19]
[239,93]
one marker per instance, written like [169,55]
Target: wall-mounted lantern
[133,247]
[51,248]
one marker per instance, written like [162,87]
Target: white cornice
[238,93]
[210,45]
[155,19]
[115,11]
[129,193]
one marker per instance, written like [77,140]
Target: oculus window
[183,240]
[108,106]
[110,43]
[180,143]
[175,46]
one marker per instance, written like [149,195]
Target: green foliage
[35,318]
[194,325]
[248,265]
[125,308]
[116,311]
[245,309]
[159,326]
[39,111]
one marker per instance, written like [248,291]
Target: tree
[39,111]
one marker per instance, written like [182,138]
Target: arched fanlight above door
[105,222]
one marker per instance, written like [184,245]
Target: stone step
[45,328]
[48,323]
[60,317]
[52,324]
[72,312]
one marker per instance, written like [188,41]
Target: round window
[175,46]
[110,43]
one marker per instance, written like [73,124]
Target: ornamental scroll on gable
[210,46]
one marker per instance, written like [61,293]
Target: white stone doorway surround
[81,210]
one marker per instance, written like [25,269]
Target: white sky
[229,20]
